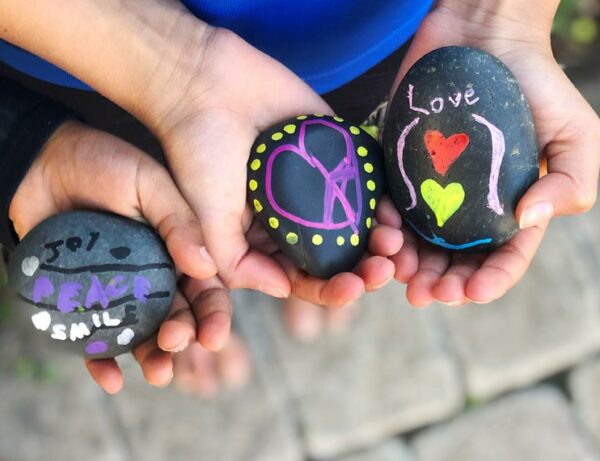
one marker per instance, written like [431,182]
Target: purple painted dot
[96,347]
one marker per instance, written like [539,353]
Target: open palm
[239,93]
[569,137]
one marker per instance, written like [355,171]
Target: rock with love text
[460,149]
[98,282]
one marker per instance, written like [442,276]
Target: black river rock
[313,183]
[460,149]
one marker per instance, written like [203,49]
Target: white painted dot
[30,265]
[41,320]
[125,337]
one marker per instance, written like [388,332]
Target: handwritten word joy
[72,243]
[70,297]
[438,104]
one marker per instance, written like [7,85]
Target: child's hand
[80,167]
[207,133]
[518,33]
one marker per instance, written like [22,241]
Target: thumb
[166,210]
[571,183]
[86,168]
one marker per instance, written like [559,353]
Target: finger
[406,261]
[233,364]
[386,213]
[385,240]
[178,330]
[219,200]
[259,239]
[338,291]
[156,365]
[241,266]
[450,289]
[304,320]
[571,185]
[376,272]
[212,310]
[432,265]
[166,210]
[106,373]
[505,266]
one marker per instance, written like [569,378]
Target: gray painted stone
[548,322]
[59,418]
[584,384]
[532,425]
[97,282]
[390,450]
[389,373]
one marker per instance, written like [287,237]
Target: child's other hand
[568,131]
[206,94]
[80,167]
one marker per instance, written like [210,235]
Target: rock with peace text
[460,149]
[313,183]
[97,282]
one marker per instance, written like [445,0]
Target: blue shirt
[326,42]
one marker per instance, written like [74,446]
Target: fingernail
[181,346]
[384,283]
[165,383]
[453,303]
[536,214]
[206,256]
[276,292]
[170,379]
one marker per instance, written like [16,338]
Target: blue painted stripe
[442,243]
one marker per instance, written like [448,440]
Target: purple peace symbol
[336,181]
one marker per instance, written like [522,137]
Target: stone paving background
[515,380]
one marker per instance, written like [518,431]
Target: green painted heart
[443,201]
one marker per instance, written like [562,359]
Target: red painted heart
[445,151]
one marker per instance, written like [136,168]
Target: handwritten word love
[437,105]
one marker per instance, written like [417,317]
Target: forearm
[125,49]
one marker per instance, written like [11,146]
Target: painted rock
[313,183]
[460,149]
[98,282]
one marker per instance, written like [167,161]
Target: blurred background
[515,380]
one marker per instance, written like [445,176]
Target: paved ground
[401,384]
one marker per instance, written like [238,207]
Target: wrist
[502,21]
